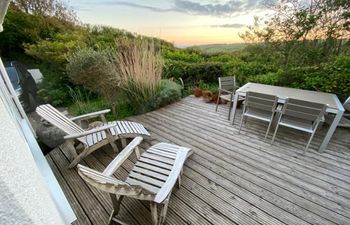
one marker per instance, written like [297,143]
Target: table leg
[331,130]
[230,109]
[234,107]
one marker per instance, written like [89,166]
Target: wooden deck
[231,178]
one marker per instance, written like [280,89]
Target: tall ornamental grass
[140,68]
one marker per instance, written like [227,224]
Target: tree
[26,24]
[304,32]
[51,8]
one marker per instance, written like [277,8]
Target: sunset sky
[182,22]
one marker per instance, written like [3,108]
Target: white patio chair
[301,115]
[152,178]
[261,107]
[92,139]
[227,89]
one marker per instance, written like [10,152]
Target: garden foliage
[310,50]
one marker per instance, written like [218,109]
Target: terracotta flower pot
[197,92]
[215,97]
[207,96]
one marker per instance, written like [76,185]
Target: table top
[331,100]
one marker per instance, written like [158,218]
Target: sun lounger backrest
[56,118]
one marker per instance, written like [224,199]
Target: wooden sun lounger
[92,139]
[152,178]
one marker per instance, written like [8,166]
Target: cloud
[196,8]
[230,25]
[135,5]
[218,9]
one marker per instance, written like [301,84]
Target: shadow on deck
[231,178]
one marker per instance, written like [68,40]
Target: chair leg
[154,213]
[111,142]
[229,110]
[87,151]
[123,142]
[268,129]
[79,157]
[309,142]
[240,126]
[114,147]
[116,206]
[179,178]
[217,102]
[274,134]
[69,145]
[179,182]
[163,213]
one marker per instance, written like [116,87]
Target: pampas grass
[140,68]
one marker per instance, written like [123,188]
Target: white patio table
[334,106]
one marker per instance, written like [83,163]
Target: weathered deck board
[232,178]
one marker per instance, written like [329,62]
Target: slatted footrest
[122,129]
[158,168]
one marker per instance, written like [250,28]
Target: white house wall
[24,197]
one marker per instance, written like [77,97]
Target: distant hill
[217,48]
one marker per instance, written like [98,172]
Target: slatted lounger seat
[92,139]
[152,178]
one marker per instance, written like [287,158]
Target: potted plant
[207,96]
[198,89]
[197,92]
[215,97]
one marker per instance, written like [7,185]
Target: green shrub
[86,102]
[269,78]
[182,55]
[213,87]
[95,70]
[54,88]
[55,50]
[193,72]
[245,70]
[169,92]
[330,77]
[333,78]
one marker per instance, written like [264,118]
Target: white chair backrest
[347,104]
[56,118]
[304,110]
[227,83]
[261,101]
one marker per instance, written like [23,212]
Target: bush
[95,70]
[169,92]
[194,72]
[182,55]
[246,70]
[55,50]
[332,77]
[55,85]
[269,78]
[86,102]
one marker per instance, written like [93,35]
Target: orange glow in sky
[182,22]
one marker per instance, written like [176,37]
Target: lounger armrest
[175,172]
[90,115]
[85,133]
[122,156]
